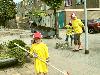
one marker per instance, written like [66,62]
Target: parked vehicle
[93,25]
[46,31]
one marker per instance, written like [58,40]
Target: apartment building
[78,4]
[27,6]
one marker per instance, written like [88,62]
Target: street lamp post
[86,29]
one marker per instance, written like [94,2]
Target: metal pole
[86,29]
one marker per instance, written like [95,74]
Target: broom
[43,61]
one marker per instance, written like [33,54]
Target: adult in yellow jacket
[77,27]
[40,54]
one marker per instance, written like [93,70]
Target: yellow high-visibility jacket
[69,30]
[42,51]
[77,25]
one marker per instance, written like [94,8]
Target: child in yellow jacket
[40,51]
[69,32]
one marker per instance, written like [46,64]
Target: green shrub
[1,46]
[12,45]
[12,51]
[17,53]
[27,47]
[3,56]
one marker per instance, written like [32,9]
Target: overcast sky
[17,1]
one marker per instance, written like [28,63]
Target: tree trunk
[56,25]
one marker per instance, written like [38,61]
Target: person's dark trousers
[67,37]
[77,39]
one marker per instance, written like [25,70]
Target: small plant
[12,45]
[61,45]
